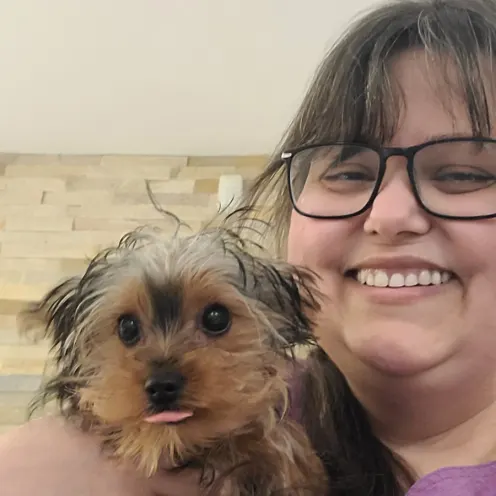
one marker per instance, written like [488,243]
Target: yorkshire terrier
[177,351]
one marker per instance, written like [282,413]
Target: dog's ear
[292,296]
[292,292]
[289,293]
[53,316]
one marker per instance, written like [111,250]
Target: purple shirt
[479,480]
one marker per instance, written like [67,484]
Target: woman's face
[449,327]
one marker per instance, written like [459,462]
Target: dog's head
[175,342]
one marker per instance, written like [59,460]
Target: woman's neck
[432,427]
[472,442]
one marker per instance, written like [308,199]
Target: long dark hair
[354,97]
[357,462]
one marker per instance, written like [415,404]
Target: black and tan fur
[236,383]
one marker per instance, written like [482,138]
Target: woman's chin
[399,348]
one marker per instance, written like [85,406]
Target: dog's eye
[216,319]
[129,329]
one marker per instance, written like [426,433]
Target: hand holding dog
[75,465]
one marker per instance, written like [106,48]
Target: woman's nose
[395,210]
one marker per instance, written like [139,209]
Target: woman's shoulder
[474,480]
[49,457]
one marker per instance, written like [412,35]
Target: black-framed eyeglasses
[452,178]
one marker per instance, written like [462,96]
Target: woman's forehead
[425,85]
[432,104]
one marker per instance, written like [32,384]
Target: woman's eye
[129,330]
[465,176]
[457,180]
[348,176]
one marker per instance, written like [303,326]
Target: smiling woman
[384,186]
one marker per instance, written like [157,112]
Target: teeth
[381,279]
[396,281]
[378,279]
[424,278]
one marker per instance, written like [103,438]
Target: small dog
[177,350]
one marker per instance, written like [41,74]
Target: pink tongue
[168,417]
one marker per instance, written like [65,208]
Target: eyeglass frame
[384,154]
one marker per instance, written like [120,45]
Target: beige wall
[181,77]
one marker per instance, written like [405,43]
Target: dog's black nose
[164,388]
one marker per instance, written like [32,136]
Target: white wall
[158,76]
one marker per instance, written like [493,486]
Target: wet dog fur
[222,322]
